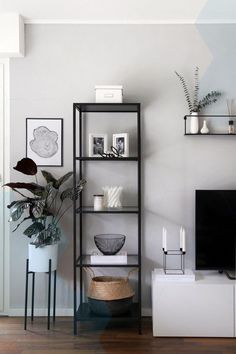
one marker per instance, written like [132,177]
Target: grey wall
[62,66]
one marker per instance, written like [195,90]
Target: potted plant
[44,208]
[195,105]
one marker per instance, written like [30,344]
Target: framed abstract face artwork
[44,141]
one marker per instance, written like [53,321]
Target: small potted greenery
[195,105]
[44,208]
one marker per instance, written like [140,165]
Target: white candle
[183,241]
[181,238]
[164,239]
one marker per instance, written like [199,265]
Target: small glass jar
[98,201]
[231,128]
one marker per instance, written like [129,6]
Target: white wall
[62,65]
[105,9]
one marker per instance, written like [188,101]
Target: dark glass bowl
[109,244]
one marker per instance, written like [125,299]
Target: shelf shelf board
[211,116]
[85,314]
[123,210]
[86,262]
[210,134]
[108,107]
[120,159]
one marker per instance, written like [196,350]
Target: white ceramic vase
[39,258]
[194,123]
[204,129]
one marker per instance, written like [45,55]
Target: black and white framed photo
[44,141]
[97,144]
[121,143]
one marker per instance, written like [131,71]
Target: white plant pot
[194,123]
[39,258]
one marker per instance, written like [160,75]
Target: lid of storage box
[109,87]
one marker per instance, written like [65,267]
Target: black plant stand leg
[49,291]
[54,296]
[26,292]
[32,300]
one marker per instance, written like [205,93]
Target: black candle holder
[179,253]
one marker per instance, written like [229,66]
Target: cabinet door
[193,309]
[1,190]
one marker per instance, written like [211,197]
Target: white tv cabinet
[201,308]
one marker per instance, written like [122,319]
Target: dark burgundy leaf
[26,166]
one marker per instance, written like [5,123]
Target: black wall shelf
[81,260]
[211,116]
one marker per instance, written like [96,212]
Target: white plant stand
[49,293]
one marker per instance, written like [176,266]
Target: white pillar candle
[181,238]
[164,239]
[183,241]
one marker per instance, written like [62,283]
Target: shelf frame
[78,161]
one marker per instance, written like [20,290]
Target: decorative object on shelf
[230,106]
[194,123]
[112,196]
[44,141]
[97,144]
[98,201]
[204,129]
[109,244]
[231,128]
[195,105]
[181,252]
[109,93]
[41,206]
[118,258]
[111,154]
[121,143]
[109,296]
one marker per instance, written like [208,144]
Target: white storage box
[119,258]
[109,94]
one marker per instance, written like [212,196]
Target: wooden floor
[59,340]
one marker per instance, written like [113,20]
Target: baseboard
[16,312]
[19,312]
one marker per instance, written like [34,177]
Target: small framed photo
[44,141]
[121,143]
[97,144]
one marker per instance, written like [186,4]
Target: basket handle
[89,271]
[131,271]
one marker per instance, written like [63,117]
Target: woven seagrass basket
[110,296]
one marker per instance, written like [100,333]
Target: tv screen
[215,229]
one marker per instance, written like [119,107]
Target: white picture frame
[97,142]
[44,141]
[121,143]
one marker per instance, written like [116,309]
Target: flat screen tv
[215,229]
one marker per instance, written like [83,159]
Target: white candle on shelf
[183,241]
[181,238]
[164,239]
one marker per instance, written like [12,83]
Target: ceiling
[105,10]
